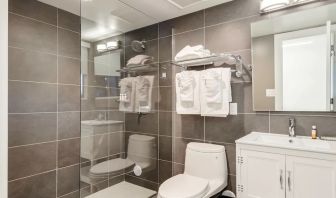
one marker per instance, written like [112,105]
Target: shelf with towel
[139,68]
[217,60]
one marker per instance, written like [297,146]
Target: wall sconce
[273,5]
[111,45]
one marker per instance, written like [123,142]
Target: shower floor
[124,190]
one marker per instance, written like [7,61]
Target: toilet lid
[184,186]
[111,166]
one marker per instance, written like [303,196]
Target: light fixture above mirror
[111,45]
[274,5]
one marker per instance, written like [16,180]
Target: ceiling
[105,18]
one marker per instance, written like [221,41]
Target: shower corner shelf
[220,59]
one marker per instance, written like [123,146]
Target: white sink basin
[100,122]
[284,141]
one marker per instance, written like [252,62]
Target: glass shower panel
[119,110]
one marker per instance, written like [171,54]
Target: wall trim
[4,98]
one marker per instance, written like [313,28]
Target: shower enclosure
[119,135]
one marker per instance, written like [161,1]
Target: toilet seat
[184,186]
[110,166]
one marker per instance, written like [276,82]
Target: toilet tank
[141,148]
[206,161]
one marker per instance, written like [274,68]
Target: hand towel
[127,94]
[186,85]
[210,105]
[190,102]
[144,93]
[213,86]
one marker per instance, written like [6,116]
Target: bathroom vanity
[279,166]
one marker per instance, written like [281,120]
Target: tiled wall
[224,28]
[44,95]
[44,101]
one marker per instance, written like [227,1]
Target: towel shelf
[138,68]
[219,59]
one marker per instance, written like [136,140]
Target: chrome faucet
[291,129]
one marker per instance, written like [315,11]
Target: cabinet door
[310,178]
[262,175]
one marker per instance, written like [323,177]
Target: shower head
[138,46]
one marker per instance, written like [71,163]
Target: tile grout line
[42,52]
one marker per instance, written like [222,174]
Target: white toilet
[141,151]
[205,173]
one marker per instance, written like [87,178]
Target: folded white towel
[210,101]
[188,52]
[186,84]
[144,93]
[188,92]
[213,86]
[138,60]
[127,94]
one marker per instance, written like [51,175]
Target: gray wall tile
[229,37]
[189,126]
[145,33]
[165,148]
[233,127]
[69,70]
[32,66]
[68,43]
[31,128]
[68,180]
[68,20]
[29,160]
[325,124]
[68,152]
[39,186]
[182,24]
[231,11]
[37,36]
[68,98]
[34,9]
[25,97]
[68,125]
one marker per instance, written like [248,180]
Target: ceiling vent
[184,3]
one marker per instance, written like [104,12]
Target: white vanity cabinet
[310,178]
[268,170]
[259,171]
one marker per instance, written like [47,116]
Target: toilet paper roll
[137,170]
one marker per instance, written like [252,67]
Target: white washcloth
[189,103]
[127,94]
[209,99]
[188,52]
[138,60]
[144,93]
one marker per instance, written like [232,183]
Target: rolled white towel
[138,60]
[188,52]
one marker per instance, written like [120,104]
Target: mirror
[294,62]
